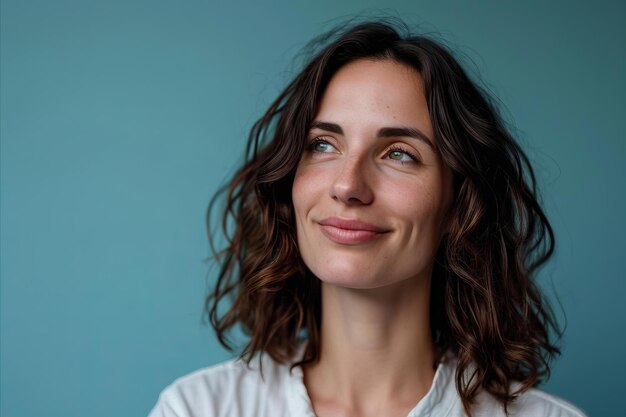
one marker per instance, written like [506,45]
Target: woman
[383,235]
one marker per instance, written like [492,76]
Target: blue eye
[398,154]
[322,146]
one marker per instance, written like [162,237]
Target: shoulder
[232,388]
[531,403]
[538,403]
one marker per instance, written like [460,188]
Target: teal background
[119,119]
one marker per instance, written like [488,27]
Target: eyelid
[314,136]
[320,139]
[395,147]
[414,155]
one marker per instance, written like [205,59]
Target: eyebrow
[384,132]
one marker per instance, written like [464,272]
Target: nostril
[351,184]
[354,193]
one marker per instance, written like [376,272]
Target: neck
[376,349]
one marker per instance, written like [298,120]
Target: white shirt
[232,389]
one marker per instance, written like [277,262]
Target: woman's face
[371,193]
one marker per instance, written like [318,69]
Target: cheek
[303,196]
[303,199]
[307,188]
[299,192]
[420,204]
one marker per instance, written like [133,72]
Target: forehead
[375,92]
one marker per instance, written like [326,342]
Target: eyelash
[317,140]
[393,148]
[396,148]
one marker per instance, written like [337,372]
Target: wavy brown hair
[485,305]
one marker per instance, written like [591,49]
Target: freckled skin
[357,176]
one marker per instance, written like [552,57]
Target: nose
[351,185]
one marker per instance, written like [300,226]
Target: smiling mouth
[351,232]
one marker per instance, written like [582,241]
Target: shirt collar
[437,402]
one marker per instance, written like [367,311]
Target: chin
[355,277]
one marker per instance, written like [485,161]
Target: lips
[351,231]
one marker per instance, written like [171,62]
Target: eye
[321,145]
[401,155]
